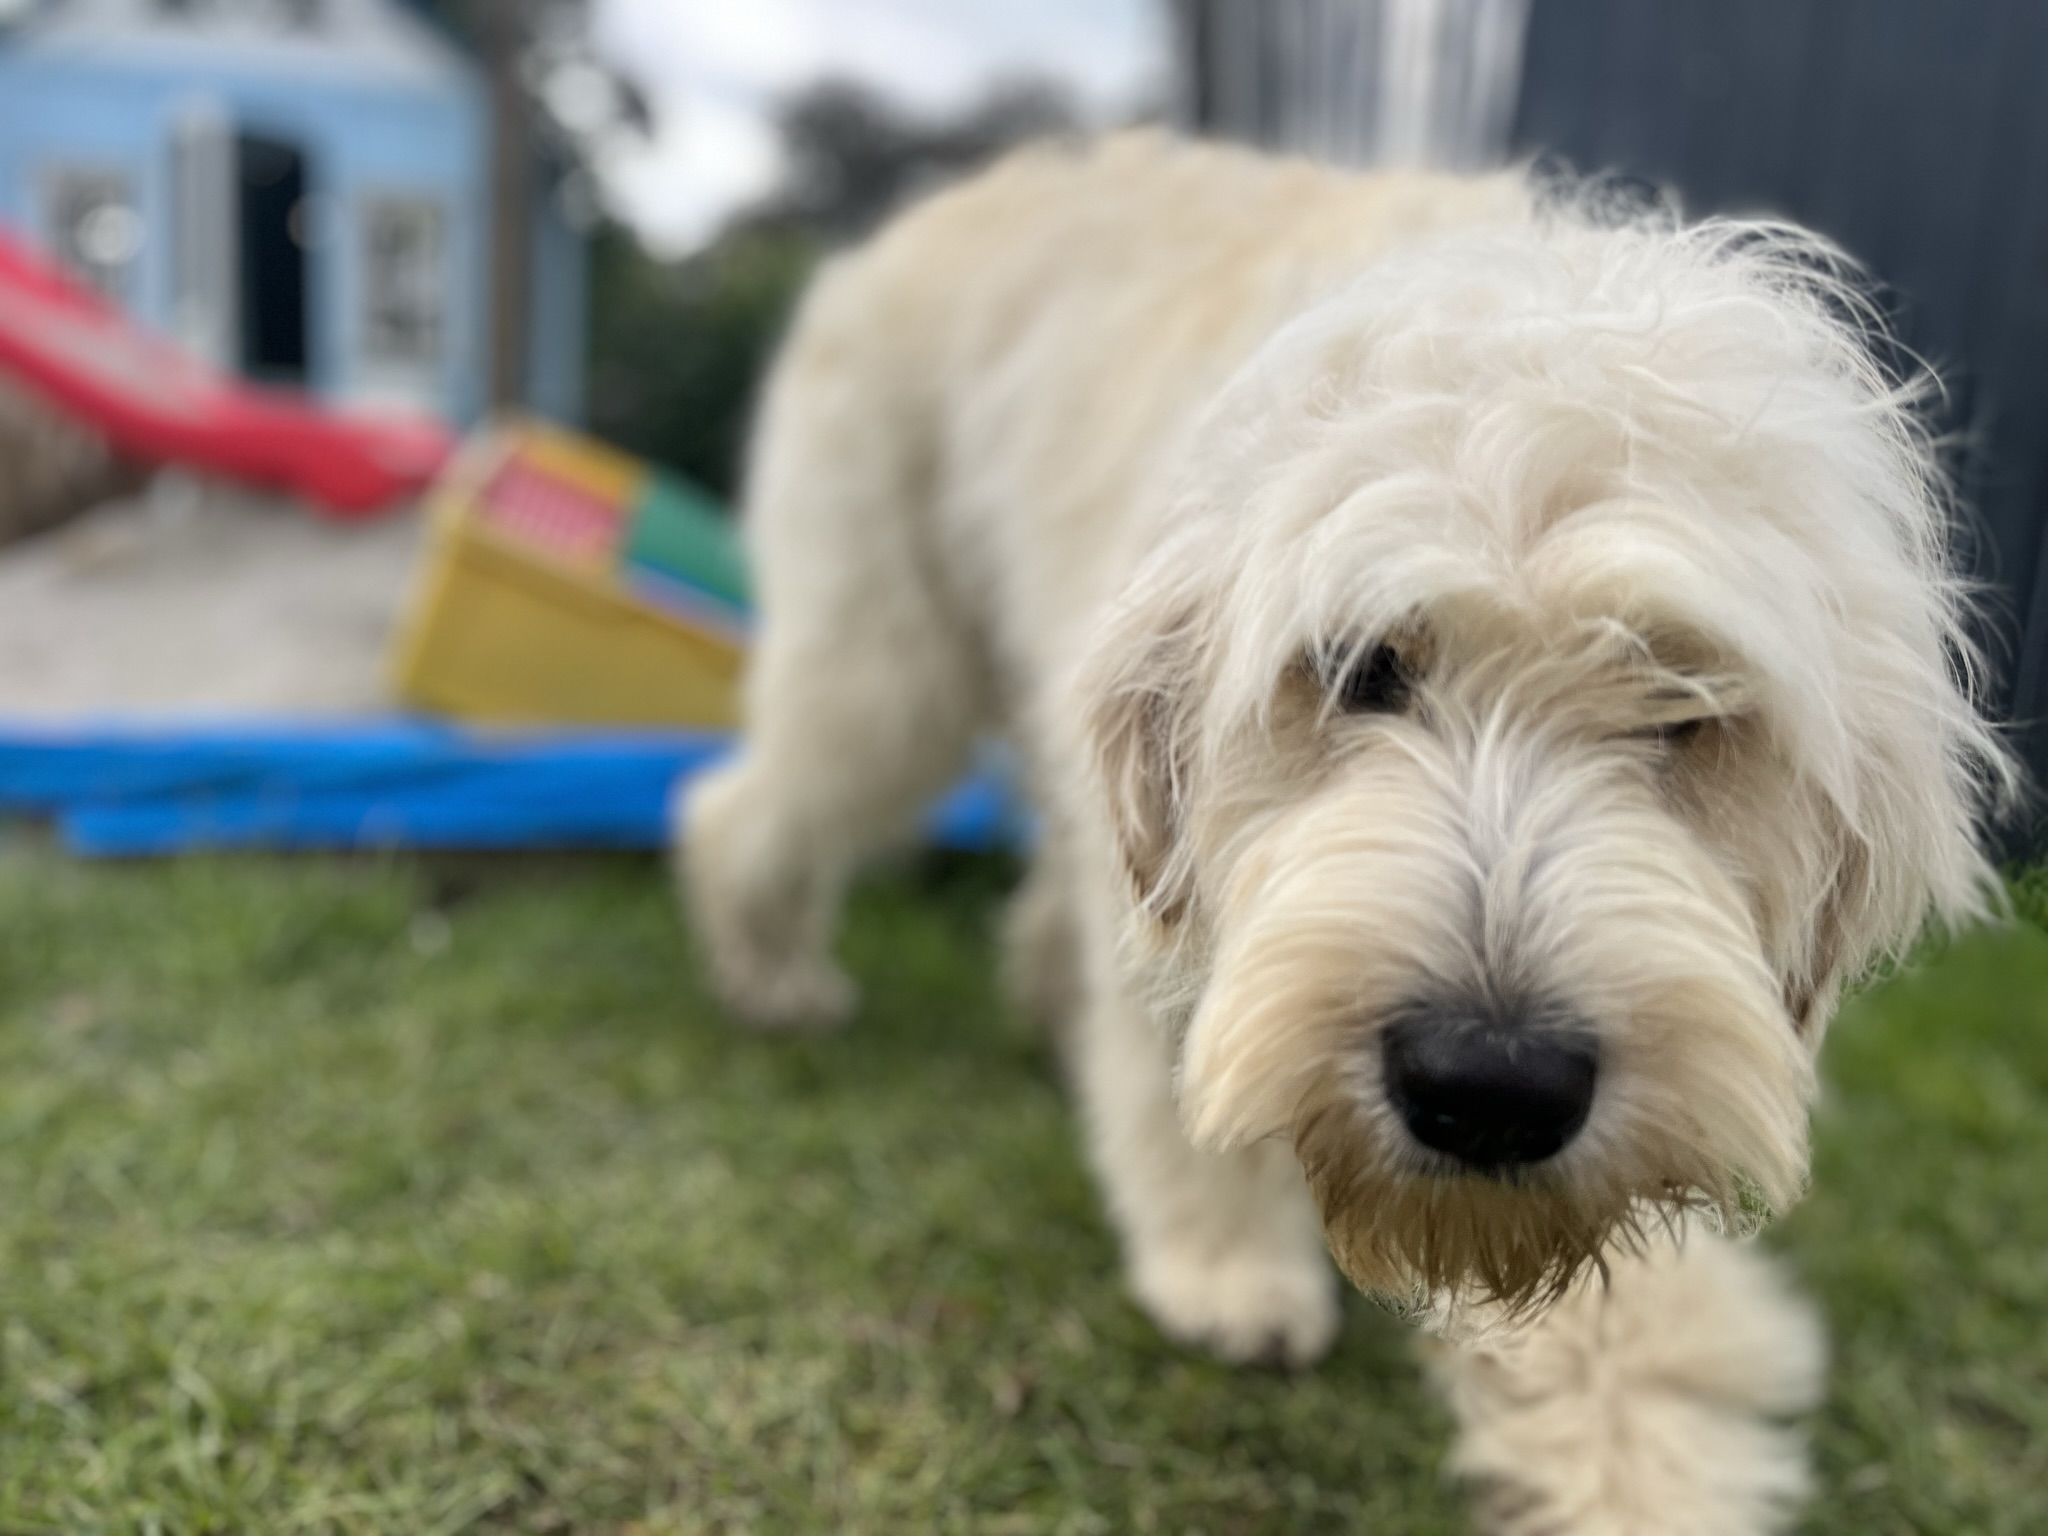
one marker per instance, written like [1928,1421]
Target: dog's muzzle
[1493,1088]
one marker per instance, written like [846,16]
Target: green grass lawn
[390,1197]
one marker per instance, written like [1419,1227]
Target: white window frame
[405,311]
[76,194]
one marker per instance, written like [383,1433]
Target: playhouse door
[274,213]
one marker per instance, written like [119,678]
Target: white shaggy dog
[1489,673]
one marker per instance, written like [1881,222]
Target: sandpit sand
[198,598]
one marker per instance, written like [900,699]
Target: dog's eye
[1376,684]
[1677,733]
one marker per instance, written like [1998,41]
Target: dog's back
[1024,350]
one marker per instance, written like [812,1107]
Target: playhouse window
[93,227]
[404,281]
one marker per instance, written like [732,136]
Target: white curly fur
[1605,1419]
[1128,454]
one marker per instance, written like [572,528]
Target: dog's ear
[1917,855]
[1138,701]
[1839,944]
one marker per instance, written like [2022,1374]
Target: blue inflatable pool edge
[150,786]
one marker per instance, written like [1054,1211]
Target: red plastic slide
[156,403]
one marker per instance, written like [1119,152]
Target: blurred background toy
[153,403]
[567,582]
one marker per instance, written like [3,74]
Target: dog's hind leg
[863,692]
[1224,1251]
[1648,1403]
[1041,942]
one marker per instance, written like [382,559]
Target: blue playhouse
[297,190]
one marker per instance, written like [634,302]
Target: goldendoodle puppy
[1489,672]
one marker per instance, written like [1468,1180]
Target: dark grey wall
[1913,132]
[1298,73]
[1354,81]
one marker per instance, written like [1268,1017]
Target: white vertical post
[1388,82]
[206,266]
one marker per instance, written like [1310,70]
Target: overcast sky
[713,70]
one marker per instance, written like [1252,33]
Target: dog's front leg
[1650,1404]
[1224,1251]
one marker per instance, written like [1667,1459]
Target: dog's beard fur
[1505,862]
[1593,484]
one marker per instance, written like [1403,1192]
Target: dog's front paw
[1245,1309]
[793,997]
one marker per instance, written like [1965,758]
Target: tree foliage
[852,157]
[678,347]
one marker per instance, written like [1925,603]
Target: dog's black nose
[1491,1091]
